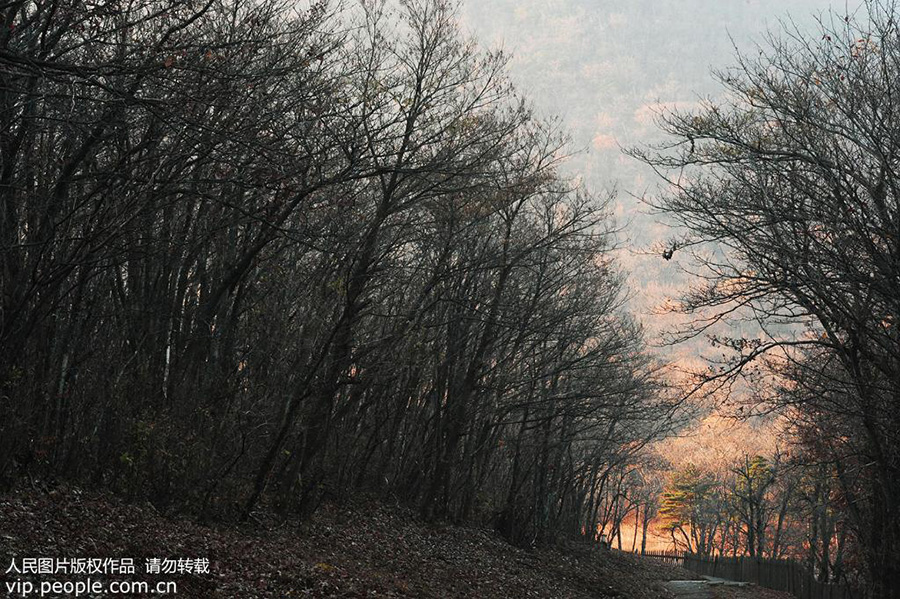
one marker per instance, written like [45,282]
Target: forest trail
[690,589]
[720,588]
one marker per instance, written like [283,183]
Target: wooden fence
[776,574]
[669,556]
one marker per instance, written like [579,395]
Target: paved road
[690,589]
[698,589]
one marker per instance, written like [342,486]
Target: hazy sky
[604,66]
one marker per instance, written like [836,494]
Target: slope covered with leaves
[361,549]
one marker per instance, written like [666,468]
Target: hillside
[362,549]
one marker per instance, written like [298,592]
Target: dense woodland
[253,253]
[256,255]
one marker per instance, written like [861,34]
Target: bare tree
[253,256]
[793,176]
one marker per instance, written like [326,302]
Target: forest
[257,256]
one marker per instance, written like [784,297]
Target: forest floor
[360,549]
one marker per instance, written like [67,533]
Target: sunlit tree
[691,509]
